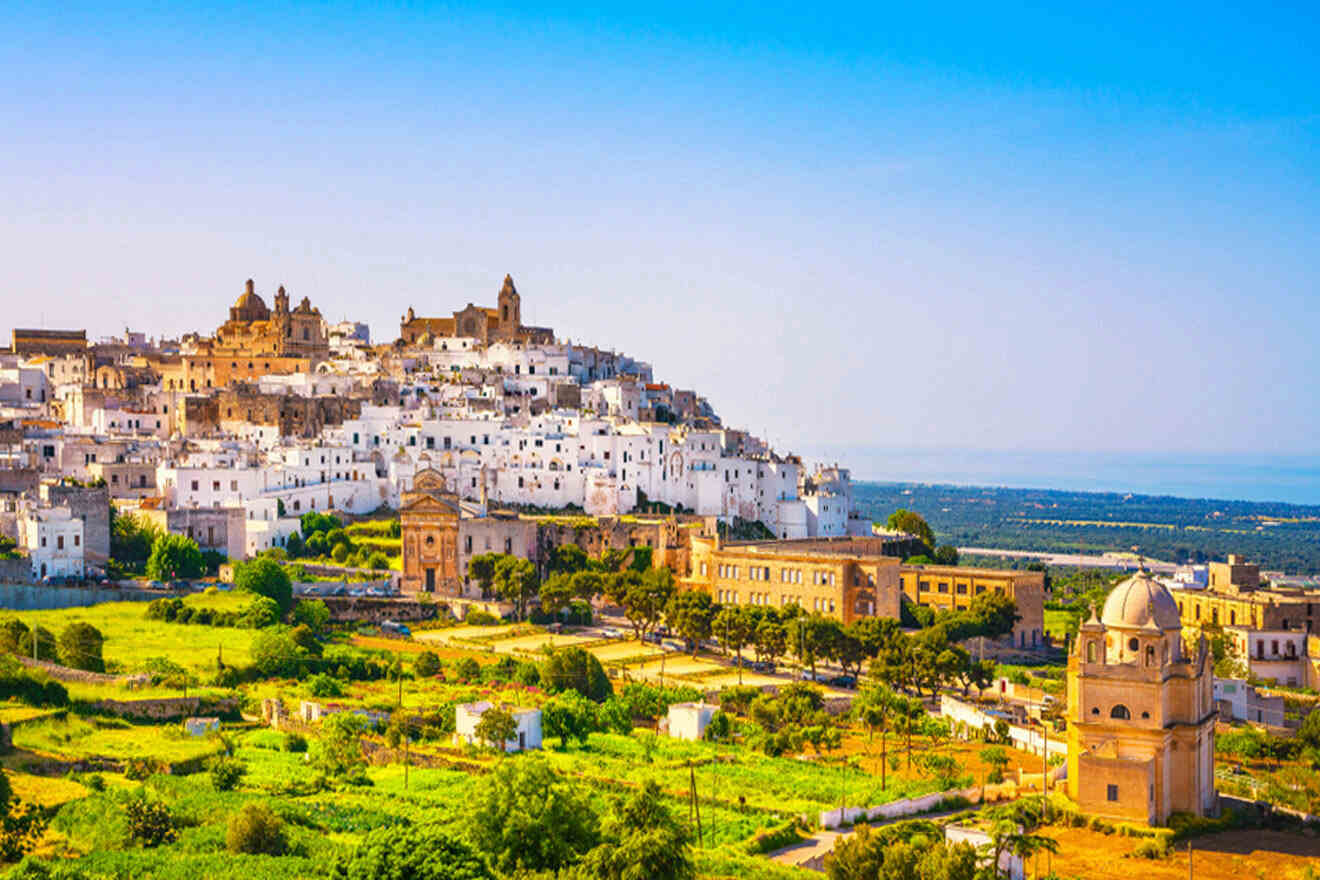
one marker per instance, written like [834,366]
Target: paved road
[1115,561]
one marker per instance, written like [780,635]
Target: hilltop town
[477,601]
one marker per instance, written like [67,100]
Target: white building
[1240,701]
[690,720]
[53,538]
[1277,655]
[528,735]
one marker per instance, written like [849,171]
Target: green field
[131,639]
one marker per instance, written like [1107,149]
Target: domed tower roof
[1140,602]
[250,306]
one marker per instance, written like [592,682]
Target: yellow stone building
[844,578]
[952,588]
[486,325]
[1236,596]
[1141,711]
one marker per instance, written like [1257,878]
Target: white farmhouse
[528,721]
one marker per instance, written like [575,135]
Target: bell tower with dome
[1141,713]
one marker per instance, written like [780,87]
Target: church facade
[1141,712]
[254,329]
[486,325]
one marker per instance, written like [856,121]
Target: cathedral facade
[486,325]
[1141,712]
[255,330]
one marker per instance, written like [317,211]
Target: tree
[524,816]
[770,639]
[80,647]
[913,524]
[1009,835]
[568,559]
[45,649]
[997,759]
[339,751]
[733,626]
[645,841]
[556,592]
[260,613]
[312,613]
[644,596]
[132,539]
[995,613]
[295,546]
[378,561]
[875,708]
[149,821]
[256,830]
[515,581]
[946,554]
[412,852]
[569,715]
[275,654]
[226,773]
[481,569]
[173,557]
[496,727]
[811,638]
[304,638]
[689,613]
[265,577]
[574,668]
[426,665]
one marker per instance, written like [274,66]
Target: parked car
[843,681]
[762,666]
[610,632]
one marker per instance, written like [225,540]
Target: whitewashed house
[528,721]
[690,720]
[53,538]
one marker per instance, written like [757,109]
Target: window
[59,542]
[194,485]
[1090,652]
[1120,712]
[1133,644]
[77,540]
[1111,792]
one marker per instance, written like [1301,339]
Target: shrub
[426,665]
[226,773]
[467,669]
[175,556]
[256,830]
[46,649]
[414,852]
[378,561]
[340,553]
[324,686]
[294,742]
[138,769]
[260,613]
[1153,848]
[275,655]
[481,617]
[149,822]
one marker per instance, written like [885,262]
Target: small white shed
[200,726]
[528,721]
[689,720]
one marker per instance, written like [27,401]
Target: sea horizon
[1281,479]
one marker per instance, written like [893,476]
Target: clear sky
[1056,227]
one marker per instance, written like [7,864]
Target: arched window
[1095,711]
[1150,655]
[1090,652]
[1121,712]
[1132,644]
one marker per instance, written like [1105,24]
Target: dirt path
[1234,855]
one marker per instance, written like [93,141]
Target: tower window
[1120,712]
[1111,792]
[1132,644]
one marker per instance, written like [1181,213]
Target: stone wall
[166,708]
[375,610]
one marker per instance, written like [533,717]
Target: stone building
[1141,711]
[844,578]
[53,342]
[486,325]
[254,329]
[428,522]
[952,588]
[1236,596]
[222,529]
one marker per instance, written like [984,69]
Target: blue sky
[1056,227]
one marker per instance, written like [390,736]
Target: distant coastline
[1227,477]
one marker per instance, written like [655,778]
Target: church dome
[1139,601]
[250,301]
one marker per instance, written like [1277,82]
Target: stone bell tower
[510,309]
